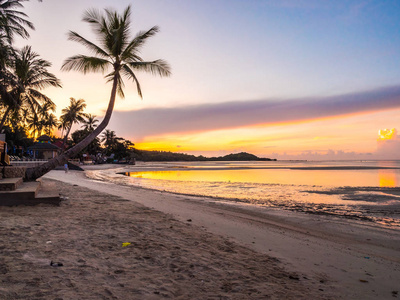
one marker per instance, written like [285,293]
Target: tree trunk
[3,119]
[32,174]
[64,145]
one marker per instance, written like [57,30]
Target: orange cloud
[224,116]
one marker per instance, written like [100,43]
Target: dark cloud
[197,118]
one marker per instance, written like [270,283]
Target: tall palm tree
[118,52]
[72,114]
[89,124]
[30,76]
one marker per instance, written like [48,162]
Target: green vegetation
[171,156]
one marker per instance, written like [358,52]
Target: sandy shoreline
[223,252]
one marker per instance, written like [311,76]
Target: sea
[366,191]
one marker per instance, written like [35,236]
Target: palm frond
[13,21]
[158,67]
[131,75]
[43,99]
[85,64]
[135,45]
[73,36]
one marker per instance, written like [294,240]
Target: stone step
[10,184]
[28,194]
[48,193]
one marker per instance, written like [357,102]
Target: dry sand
[186,248]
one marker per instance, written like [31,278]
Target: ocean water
[367,191]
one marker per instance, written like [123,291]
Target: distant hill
[144,155]
[242,156]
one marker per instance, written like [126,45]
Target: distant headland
[144,155]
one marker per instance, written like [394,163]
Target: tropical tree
[116,51]
[49,122]
[108,137]
[12,22]
[30,75]
[110,141]
[72,114]
[34,125]
[89,124]
[93,148]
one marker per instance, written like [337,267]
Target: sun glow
[387,134]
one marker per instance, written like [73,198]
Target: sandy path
[351,260]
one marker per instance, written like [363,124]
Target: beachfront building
[43,148]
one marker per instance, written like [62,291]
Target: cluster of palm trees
[117,54]
[23,74]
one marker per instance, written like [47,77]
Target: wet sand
[186,248]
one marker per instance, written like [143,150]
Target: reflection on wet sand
[358,190]
[369,195]
[387,178]
[291,176]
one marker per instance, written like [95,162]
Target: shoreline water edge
[360,192]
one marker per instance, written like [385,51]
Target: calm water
[363,190]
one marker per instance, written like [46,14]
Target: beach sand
[185,248]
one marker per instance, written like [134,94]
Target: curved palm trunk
[32,174]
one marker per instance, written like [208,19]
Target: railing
[26,162]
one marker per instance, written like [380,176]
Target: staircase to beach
[13,191]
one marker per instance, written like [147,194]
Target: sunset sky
[288,79]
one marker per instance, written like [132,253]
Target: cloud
[206,117]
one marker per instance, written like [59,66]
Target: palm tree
[30,76]
[108,137]
[72,114]
[50,121]
[34,125]
[116,51]
[89,124]
[110,140]
[12,22]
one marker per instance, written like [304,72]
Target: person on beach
[66,167]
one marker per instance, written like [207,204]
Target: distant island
[144,155]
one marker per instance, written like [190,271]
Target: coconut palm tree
[110,140]
[12,22]
[34,125]
[89,124]
[108,137]
[72,114]
[49,122]
[30,75]
[116,51]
